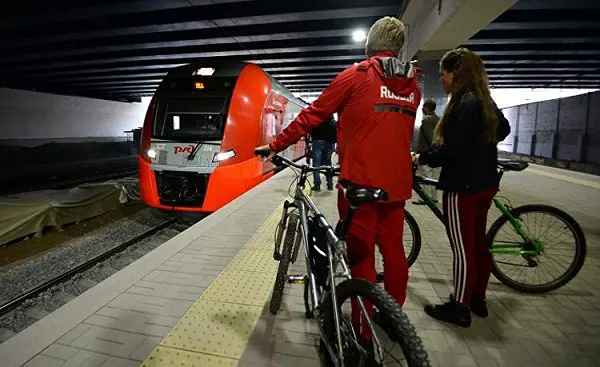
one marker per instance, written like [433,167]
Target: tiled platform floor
[121,321]
[561,328]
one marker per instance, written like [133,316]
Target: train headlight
[151,153]
[220,157]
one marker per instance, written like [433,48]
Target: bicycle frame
[496,247]
[335,256]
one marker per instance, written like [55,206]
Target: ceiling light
[359,35]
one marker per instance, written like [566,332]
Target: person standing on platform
[376,101]
[323,145]
[466,148]
[425,144]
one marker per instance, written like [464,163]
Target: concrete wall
[565,129]
[29,118]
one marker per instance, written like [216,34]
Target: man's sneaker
[330,188]
[450,312]
[479,306]
[316,188]
[368,360]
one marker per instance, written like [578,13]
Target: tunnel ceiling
[121,49]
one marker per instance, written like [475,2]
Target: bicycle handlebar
[282,161]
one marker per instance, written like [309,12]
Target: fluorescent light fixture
[359,35]
[205,71]
[220,157]
[176,123]
[151,153]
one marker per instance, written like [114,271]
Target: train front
[182,155]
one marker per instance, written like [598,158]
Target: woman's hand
[264,152]
[415,160]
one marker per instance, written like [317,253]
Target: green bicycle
[523,240]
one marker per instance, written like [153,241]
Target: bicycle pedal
[296,279]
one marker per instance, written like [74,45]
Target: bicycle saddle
[362,196]
[513,165]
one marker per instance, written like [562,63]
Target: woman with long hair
[466,148]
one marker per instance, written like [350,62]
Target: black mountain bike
[327,299]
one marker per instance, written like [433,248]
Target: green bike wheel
[411,240]
[559,235]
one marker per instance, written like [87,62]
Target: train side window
[273,123]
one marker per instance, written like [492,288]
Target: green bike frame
[529,247]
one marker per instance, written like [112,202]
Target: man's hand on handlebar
[264,152]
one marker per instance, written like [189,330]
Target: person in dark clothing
[323,145]
[425,144]
[466,148]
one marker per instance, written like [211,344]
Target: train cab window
[191,118]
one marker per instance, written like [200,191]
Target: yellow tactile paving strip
[580,181]
[216,328]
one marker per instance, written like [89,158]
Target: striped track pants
[466,218]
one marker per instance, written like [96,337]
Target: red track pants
[466,219]
[380,223]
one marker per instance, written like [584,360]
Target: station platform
[199,299]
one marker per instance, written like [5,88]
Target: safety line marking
[579,181]
[216,328]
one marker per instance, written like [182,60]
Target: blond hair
[386,34]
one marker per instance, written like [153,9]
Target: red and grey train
[201,128]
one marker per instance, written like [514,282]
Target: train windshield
[191,118]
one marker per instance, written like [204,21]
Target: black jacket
[468,161]
[326,131]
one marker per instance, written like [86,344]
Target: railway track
[29,306]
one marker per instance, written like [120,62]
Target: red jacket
[375,126]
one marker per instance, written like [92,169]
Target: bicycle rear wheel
[562,240]
[400,345]
[284,263]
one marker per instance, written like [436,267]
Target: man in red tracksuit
[376,101]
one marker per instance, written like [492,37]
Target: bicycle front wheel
[284,263]
[396,344]
[560,259]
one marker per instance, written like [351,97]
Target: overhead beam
[52,51]
[440,25]
[201,18]
[219,52]
[54,15]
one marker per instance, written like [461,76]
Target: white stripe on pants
[460,260]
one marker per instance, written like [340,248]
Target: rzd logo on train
[188,149]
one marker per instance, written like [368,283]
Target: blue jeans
[321,155]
